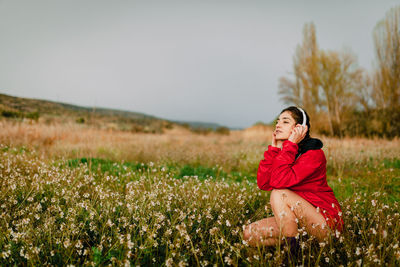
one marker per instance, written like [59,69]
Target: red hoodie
[305,176]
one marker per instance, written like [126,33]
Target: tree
[387,75]
[340,79]
[303,90]
[327,84]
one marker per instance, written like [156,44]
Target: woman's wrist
[277,144]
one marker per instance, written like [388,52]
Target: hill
[56,112]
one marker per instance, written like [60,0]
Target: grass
[167,200]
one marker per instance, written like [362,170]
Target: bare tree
[303,90]
[327,84]
[340,79]
[387,75]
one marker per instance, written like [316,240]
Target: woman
[294,169]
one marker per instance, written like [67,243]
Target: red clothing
[305,176]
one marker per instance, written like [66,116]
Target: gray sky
[206,60]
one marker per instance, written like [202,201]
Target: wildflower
[110,223]
[213,230]
[169,262]
[373,202]
[228,260]
[228,223]
[337,233]
[78,244]
[67,243]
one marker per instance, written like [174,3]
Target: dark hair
[298,117]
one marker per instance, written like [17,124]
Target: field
[75,195]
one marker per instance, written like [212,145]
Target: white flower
[213,230]
[67,243]
[169,262]
[384,233]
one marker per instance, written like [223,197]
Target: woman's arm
[264,168]
[285,172]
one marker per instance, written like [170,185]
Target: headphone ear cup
[304,117]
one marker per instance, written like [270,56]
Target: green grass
[93,211]
[106,166]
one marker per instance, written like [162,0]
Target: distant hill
[51,112]
[198,124]
[56,112]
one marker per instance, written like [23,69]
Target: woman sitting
[294,169]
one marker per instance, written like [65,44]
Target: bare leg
[290,209]
[263,232]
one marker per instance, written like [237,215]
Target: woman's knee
[246,233]
[278,196]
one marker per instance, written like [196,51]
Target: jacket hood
[309,144]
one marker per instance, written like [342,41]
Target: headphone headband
[304,117]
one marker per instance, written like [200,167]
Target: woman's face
[284,126]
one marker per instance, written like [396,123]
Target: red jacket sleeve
[285,172]
[264,168]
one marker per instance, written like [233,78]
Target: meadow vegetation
[76,195]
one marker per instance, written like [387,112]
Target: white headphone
[304,117]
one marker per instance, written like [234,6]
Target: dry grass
[239,150]
[55,213]
[52,215]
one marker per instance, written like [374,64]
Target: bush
[374,122]
[33,115]
[223,130]
[11,114]
[201,130]
[80,120]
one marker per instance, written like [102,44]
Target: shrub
[33,116]
[11,114]
[223,130]
[80,120]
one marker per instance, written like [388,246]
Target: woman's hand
[276,143]
[298,133]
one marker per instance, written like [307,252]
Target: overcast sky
[212,61]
